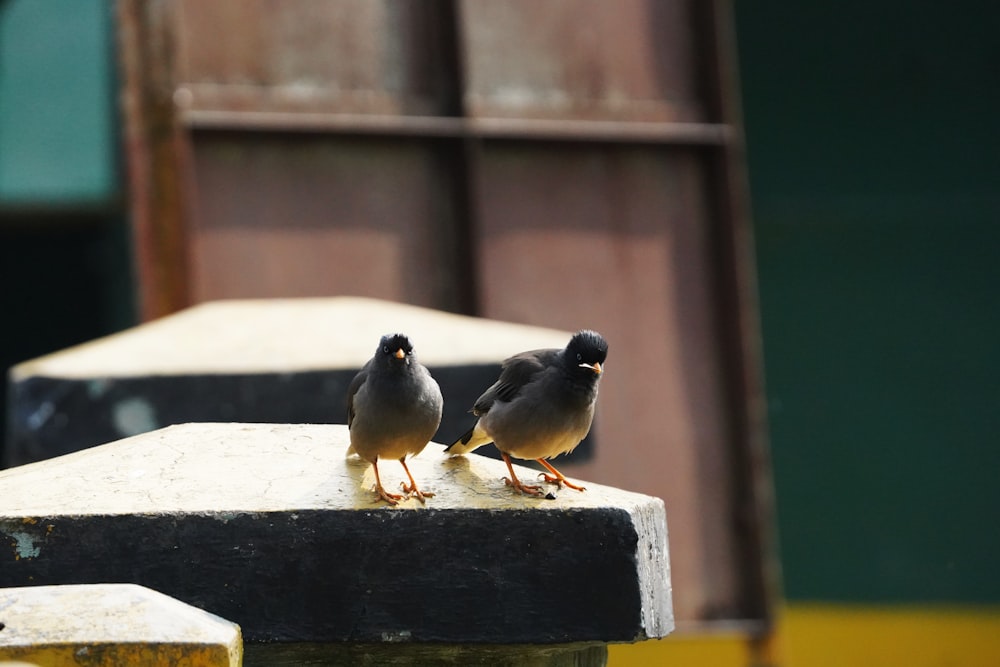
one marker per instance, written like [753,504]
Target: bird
[541,406]
[393,410]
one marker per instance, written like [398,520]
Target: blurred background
[784,216]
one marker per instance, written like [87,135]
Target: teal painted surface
[874,158]
[57,117]
[65,274]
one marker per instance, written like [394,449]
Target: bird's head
[395,349]
[587,351]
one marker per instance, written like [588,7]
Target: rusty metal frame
[157,155]
[679,134]
[160,124]
[743,347]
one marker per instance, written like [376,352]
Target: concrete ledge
[111,624]
[272,360]
[270,526]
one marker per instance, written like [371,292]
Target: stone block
[105,625]
[270,525]
[271,361]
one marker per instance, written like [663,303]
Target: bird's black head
[395,349]
[587,351]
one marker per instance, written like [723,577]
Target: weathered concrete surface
[111,624]
[272,527]
[274,361]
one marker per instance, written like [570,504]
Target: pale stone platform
[106,625]
[270,526]
[262,360]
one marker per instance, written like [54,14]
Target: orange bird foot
[557,477]
[530,489]
[411,488]
[513,481]
[391,498]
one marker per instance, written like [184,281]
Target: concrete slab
[283,335]
[270,360]
[111,624]
[272,527]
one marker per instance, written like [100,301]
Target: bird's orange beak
[596,367]
[399,353]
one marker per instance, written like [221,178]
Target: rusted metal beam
[708,134]
[155,150]
[332,123]
[738,309]
[570,163]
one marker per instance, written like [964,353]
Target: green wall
[874,160]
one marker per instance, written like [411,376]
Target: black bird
[542,406]
[393,410]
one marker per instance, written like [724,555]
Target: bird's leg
[412,488]
[513,481]
[391,498]
[558,477]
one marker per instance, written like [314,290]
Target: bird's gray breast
[395,416]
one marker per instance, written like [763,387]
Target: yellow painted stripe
[825,635]
[715,650]
[821,635]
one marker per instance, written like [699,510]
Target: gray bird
[393,410]
[542,406]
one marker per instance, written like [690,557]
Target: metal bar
[711,134]
[156,149]
[707,134]
[738,311]
[276,121]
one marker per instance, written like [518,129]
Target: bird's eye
[579,357]
[385,349]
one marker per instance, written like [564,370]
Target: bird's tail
[472,439]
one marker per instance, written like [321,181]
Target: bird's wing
[352,389]
[517,371]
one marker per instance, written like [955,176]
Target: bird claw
[391,498]
[559,481]
[530,489]
[414,491]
